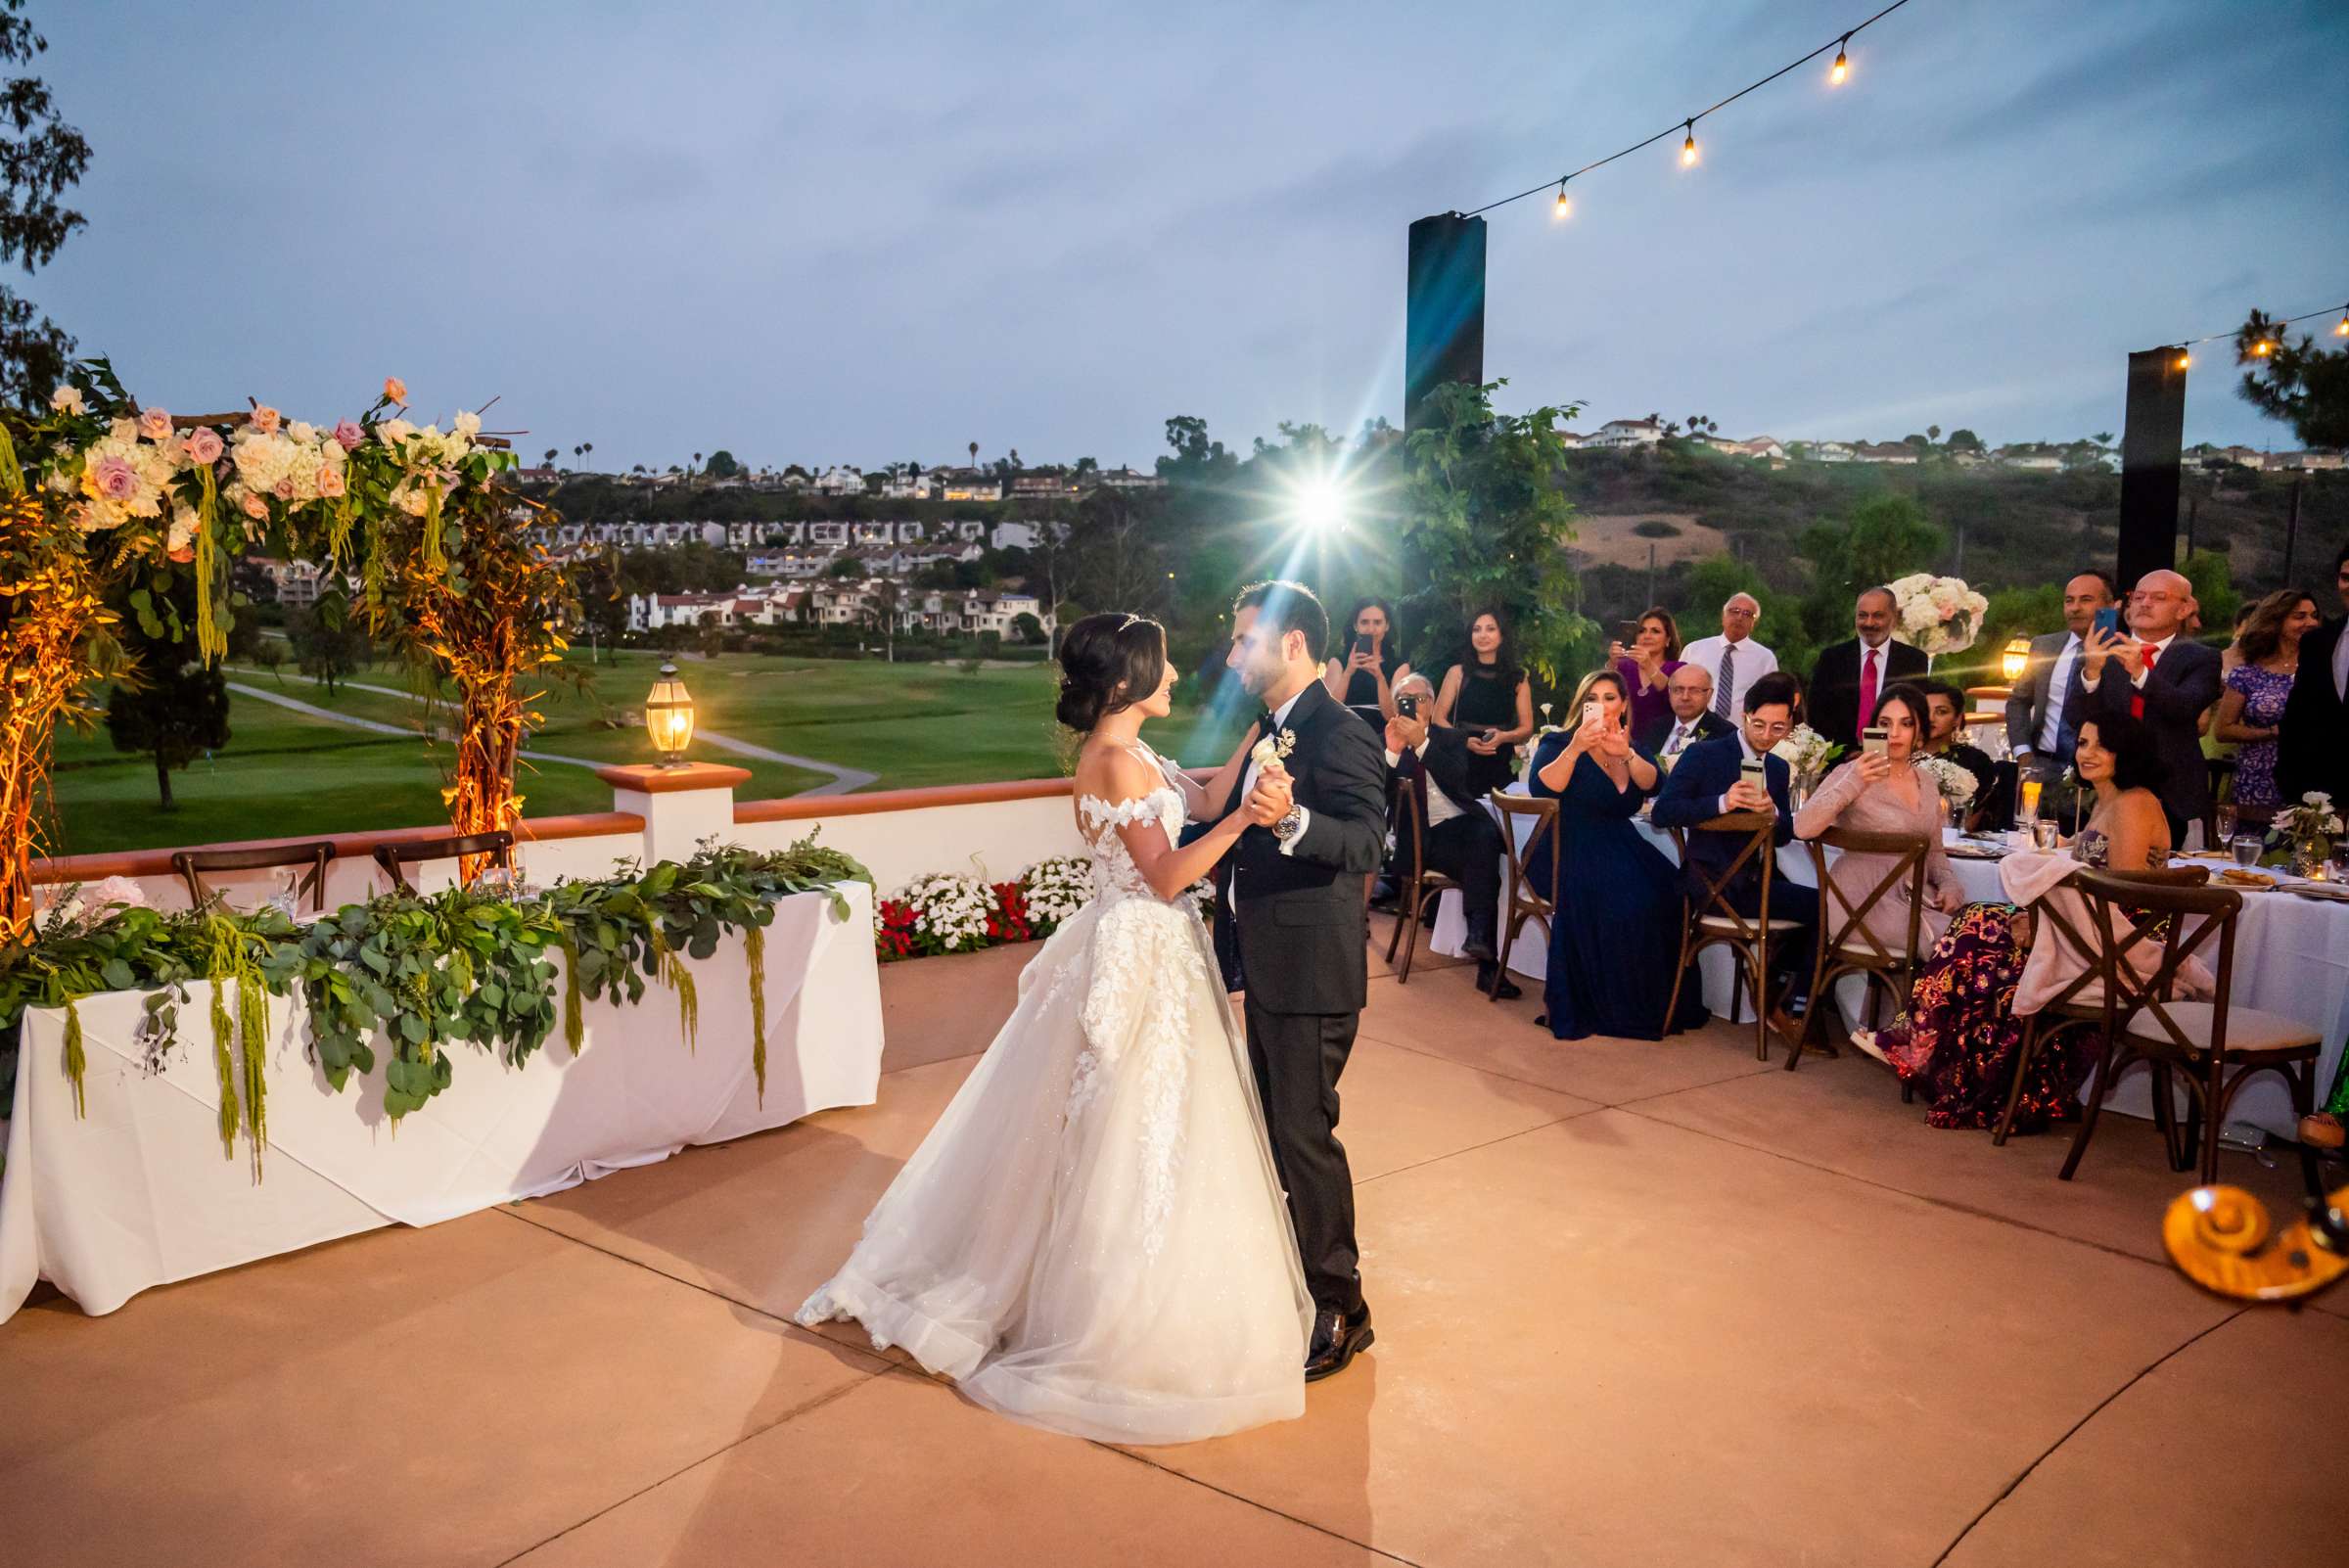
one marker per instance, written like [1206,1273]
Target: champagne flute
[2225,813]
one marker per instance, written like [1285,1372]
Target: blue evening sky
[861,233]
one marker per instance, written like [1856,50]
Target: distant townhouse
[832,534]
[1572,439]
[1041,488]
[1830,452]
[2030,459]
[1897,453]
[1621,433]
[841,481]
[1127,478]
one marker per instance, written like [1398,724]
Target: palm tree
[696,460]
[2103,438]
[1932,433]
[588,448]
[551,454]
[1015,457]
[974,454]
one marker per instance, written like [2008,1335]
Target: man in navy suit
[2163,677]
[1707,782]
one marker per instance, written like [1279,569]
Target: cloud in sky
[864,234]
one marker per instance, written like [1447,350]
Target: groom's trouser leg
[1298,1057]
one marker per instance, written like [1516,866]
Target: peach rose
[254,506]
[264,420]
[330,480]
[396,389]
[204,446]
[155,424]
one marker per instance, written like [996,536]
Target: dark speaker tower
[2152,438]
[1444,327]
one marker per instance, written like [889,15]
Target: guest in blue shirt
[1707,782]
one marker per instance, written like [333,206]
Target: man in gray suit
[2163,677]
[2042,717]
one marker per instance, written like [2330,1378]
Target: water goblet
[2246,849]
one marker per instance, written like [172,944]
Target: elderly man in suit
[1851,675]
[1694,717]
[2311,743]
[2164,677]
[2042,717]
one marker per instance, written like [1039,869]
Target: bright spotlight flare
[1320,505]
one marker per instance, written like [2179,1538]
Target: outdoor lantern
[2016,659]
[669,716]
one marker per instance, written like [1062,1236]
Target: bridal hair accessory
[1130,620]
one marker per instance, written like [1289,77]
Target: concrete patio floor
[1635,1302]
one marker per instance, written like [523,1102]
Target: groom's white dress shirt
[1280,718]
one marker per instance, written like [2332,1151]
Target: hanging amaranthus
[754,953]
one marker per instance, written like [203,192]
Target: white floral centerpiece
[1956,784]
[1936,614]
[1805,751]
[2311,827]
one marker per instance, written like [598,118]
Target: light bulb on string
[2183,359]
[1688,147]
[1843,67]
[1563,206]
[2341,329]
[2263,347]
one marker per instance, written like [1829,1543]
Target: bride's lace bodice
[1114,875]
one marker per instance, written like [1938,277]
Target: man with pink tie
[1851,675]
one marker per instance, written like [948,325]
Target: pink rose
[117,480]
[155,424]
[204,446]
[396,389]
[264,419]
[348,432]
[283,489]
[330,480]
[256,507]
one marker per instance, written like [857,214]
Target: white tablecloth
[2292,956]
[140,1192]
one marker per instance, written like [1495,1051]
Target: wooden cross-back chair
[192,864]
[1847,943]
[395,858]
[2220,1047]
[1708,919]
[1423,883]
[1525,896]
[2080,1003]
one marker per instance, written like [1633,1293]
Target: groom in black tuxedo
[1290,905]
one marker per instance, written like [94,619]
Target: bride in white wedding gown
[1092,1238]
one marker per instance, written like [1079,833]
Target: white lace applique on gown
[1092,1238]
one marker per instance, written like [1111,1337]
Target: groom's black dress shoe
[1501,986]
[1337,1338]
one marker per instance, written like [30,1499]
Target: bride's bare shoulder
[1114,772]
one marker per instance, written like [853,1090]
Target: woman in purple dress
[1646,668]
[2251,709]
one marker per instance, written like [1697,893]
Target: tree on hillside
[1964,440]
[722,465]
[41,157]
[1485,527]
[2298,382]
[2103,438]
[1197,459]
[2215,595]
[1885,537]
[974,454]
[176,711]
[1932,433]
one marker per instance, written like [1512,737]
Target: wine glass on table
[2223,813]
[2246,847]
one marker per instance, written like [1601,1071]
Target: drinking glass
[2247,851]
[2046,832]
[2225,821]
[2030,799]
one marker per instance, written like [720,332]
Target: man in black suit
[2312,743]
[2042,712]
[1692,720]
[2166,679]
[1851,675]
[1291,901]
[1707,782]
[1460,837]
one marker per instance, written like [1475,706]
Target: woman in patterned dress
[1960,1039]
[2251,709]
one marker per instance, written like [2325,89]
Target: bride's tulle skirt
[1092,1238]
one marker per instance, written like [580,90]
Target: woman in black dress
[1363,674]
[1488,695]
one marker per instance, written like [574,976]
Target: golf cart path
[844,780]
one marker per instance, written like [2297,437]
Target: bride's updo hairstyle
[1107,662]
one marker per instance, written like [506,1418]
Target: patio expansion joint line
[1948,1204]
[1261,1507]
[2024,1474]
[1454,1154]
[791,1415]
[1552,1088]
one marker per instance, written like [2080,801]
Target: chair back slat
[1843,922]
[2177,921]
[1522,894]
[395,858]
[1711,896]
[192,864]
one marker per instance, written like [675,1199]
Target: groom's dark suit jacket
[1300,927]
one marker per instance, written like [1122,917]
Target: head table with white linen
[2292,956]
[140,1191]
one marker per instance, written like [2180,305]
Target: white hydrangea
[1956,784]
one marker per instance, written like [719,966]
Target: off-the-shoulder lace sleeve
[1099,815]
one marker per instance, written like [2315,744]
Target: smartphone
[1362,644]
[2108,621]
[1753,771]
[1408,705]
[1591,713]
[1874,742]
[1627,632]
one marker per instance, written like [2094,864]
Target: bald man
[2161,675]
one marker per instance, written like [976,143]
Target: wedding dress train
[1092,1238]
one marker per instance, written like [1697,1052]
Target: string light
[2341,329]
[2267,345]
[2183,359]
[1563,206]
[2263,347]
[1688,154]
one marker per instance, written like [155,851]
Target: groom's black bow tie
[1263,725]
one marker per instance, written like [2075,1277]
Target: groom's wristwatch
[1289,826]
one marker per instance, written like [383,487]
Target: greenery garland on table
[424,971]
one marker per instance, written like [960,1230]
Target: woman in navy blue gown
[1616,931]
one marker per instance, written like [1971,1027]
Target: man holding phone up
[1738,773]
[1460,838]
[2165,679]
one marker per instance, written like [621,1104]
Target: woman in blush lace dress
[1888,793]
[1092,1238]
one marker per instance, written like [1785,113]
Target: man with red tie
[1851,675]
[2166,679]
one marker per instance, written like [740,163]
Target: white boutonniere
[1274,748]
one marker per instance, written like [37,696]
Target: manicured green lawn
[284,773]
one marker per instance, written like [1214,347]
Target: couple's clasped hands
[1272,797]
